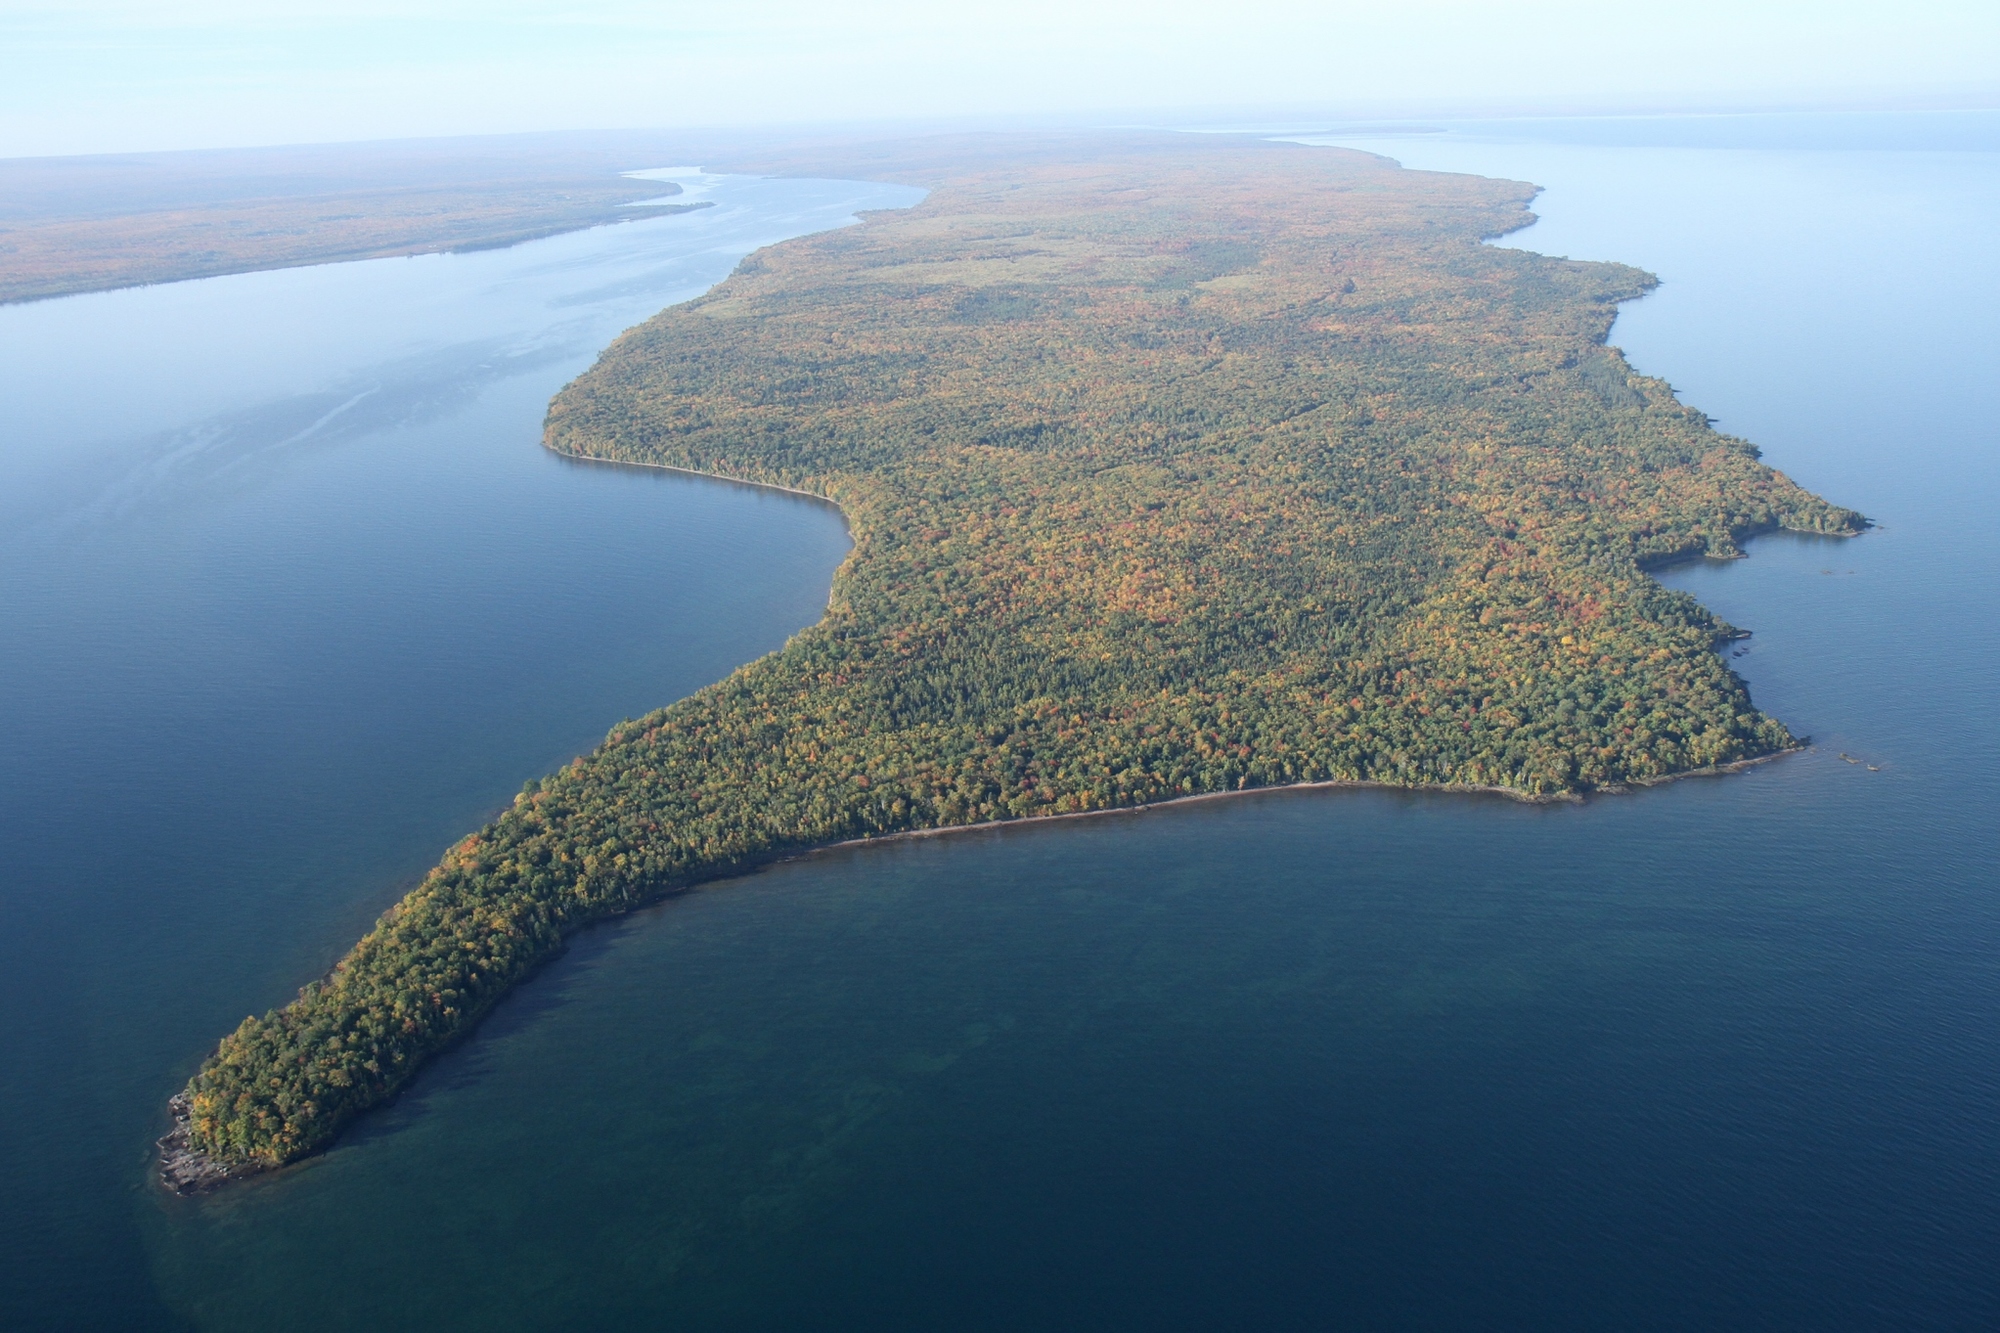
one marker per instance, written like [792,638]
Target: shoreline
[1329,784]
[184,1170]
[697,472]
[187,1172]
[60,288]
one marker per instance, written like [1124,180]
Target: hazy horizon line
[1289,119]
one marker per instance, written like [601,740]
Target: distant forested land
[76,224]
[1174,466]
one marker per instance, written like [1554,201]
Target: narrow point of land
[1175,465]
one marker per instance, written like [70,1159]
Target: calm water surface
[289,598]
[1723,1054]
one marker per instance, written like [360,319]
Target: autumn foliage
[1174,466]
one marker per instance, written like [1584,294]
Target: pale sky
[108,75]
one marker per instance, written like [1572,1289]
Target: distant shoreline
[76,257]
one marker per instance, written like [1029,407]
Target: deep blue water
[1720,1054]
[290,597]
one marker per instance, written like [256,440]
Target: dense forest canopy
[1175,465]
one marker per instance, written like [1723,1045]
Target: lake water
[1721,1054]
[290,597]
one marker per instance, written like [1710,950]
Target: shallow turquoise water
[1719,1054]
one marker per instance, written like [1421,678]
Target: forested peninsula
[1174,465]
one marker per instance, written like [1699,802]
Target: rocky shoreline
[183,1169]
